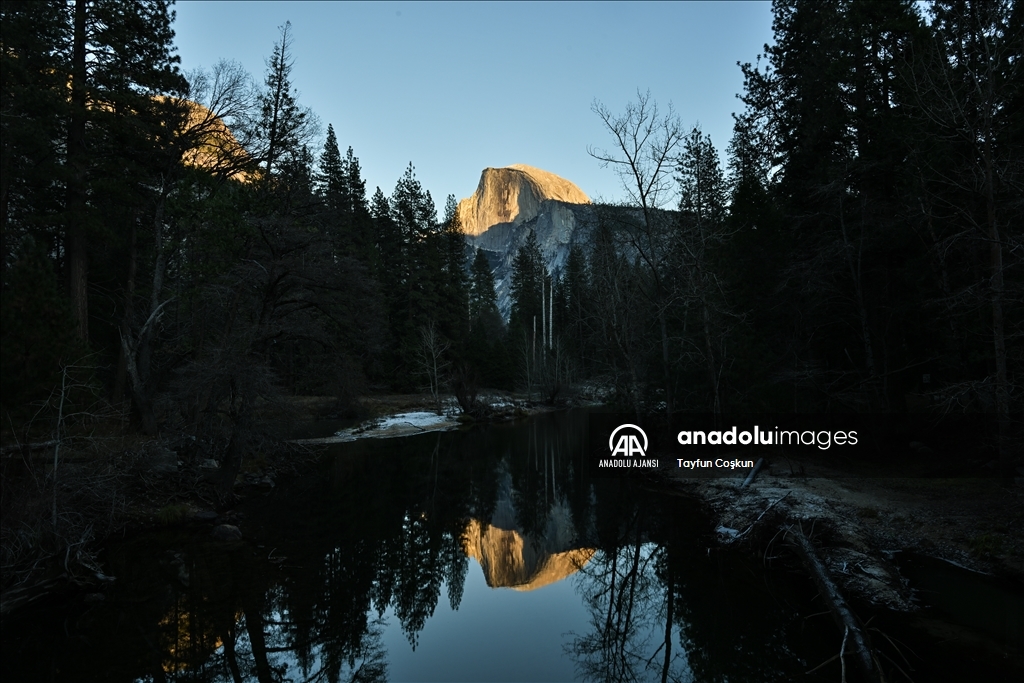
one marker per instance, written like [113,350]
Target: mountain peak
[513,194]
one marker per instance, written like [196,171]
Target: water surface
[485,555]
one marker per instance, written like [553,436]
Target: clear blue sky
[457,87]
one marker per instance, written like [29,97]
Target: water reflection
[513,558]
[361,572]
[666,606]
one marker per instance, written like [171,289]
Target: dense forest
[182,250]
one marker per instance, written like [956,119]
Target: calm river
[485,555]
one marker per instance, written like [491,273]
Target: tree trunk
[669,609]
[75,243]
[121,377]
[140,398]
[232,463]
[710,350]
[146,337]
[231,656]
[258,643]
[665,361]
[998,331]
[858,287]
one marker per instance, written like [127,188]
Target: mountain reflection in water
[511,558]
[361,572]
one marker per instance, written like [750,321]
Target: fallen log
[753,473]
[844,618]
[18,449]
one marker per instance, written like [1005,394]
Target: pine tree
[34,99]
[121,60]
[388,241]
[967,116]
[37,330]
[757,252]
[574,289]
[332,180]
[702,230]
[829,106]
[810,65]
[342,190]
[283,127]
[528,275]
[485,349]
[411,265]
[391,260]
[333,191]
[413,209]
[356,220]
[622,315]
[454,284]
[701,183]
[354,184]
[482,298]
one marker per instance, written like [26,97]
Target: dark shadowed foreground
[486,555]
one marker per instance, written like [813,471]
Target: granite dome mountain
[508,203]
[514,194]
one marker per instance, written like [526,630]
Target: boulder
[226,533]
[162,461]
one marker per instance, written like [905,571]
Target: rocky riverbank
[858,522]
[853,535]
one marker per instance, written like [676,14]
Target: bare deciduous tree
[647,144]
[431,359]
[220,123]
[646,147]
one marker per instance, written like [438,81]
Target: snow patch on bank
[422,420]
[392,426]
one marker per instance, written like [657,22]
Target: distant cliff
[514,194]
[510,202]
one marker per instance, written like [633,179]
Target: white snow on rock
[401,424]
[422,420]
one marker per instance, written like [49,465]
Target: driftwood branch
[764,512]
[730,535]
[842,652]
[840,611]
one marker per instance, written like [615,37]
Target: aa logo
[628,441]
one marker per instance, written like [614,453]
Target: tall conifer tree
[121,59]
[528,276]
[454,281]
[283,127]
[332,180]
[483,298]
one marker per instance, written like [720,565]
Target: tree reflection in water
[629,590]
[667,606]
[382,529]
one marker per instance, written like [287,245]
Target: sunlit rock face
[211,144]
[514,194]
[524,562]
[510,202]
